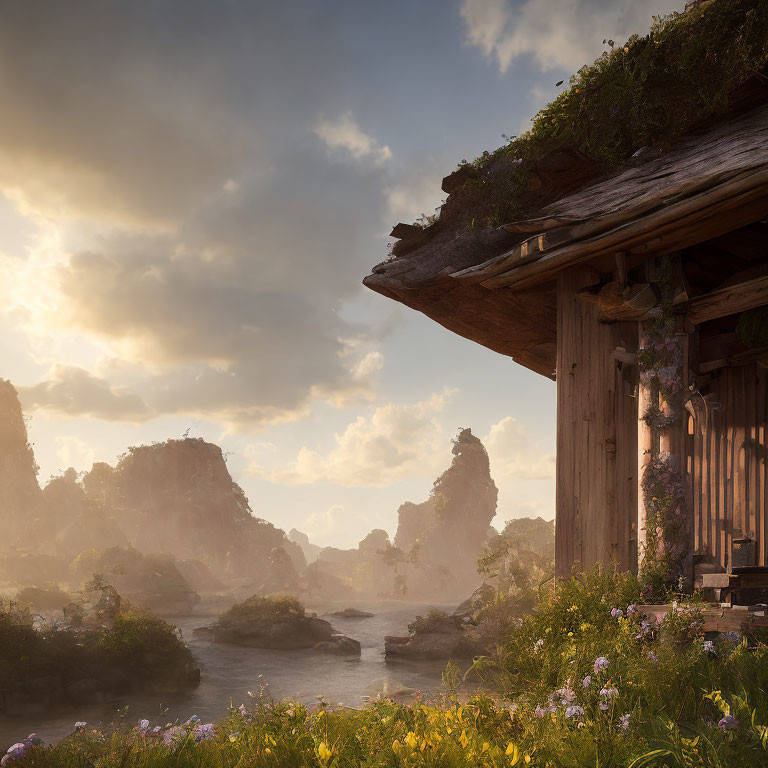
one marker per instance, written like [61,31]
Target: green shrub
[263,610]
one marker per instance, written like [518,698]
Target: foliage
[585,681]
[645,93]
[664,500]
[264,610]
[136,648]
[435,621]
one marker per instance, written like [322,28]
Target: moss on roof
[646,93]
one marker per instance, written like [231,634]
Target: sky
[190,195]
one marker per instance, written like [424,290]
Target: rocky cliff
[21,503]
[178,497]
[443,536]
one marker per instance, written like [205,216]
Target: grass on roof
[645,93]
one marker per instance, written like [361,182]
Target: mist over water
[228,672]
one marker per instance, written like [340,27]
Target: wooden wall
[728,463]
[596,435]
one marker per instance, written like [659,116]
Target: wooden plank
[729,301]
[762,490]
[740,202]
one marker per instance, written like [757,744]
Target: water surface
[229,672]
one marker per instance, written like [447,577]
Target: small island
[277,623]
[101,650]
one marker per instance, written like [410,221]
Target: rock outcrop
[279,624]
[21,503]
[437,636]
[178,497]
[310,550]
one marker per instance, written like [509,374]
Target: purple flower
[709,647]
[617,613]
[192,720]
[538,645]
[631,610]
[566,695]
[143,726]
[601,663]
[731,637]
[728,723]
[574,711]
[539,711]
[653,657]
[609,693]
[204,732]
[173,734]
[243,710]
[624,722]
[156,730]
[587,681]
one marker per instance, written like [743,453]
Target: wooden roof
[497,287]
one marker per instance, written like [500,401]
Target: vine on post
[661,364]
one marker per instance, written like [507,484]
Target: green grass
[677,692]
[645,93]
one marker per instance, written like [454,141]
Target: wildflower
[243,711]
[143,726]
[566,695]
[539,711]
[587,681]
[538,645]
[173,734]
[574,711]
[653,657]
[624,722]
[601,663]
[192,720]
[204,732]
[730,637]
[709,647]
[233,736]
[609,693]
[617,613]
[325,754]
[156,730]
[631,610]
[80,725]
[728,723]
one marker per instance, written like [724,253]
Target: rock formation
[310,550]
[21,502]
[442,537]
[276,623]
[178,497]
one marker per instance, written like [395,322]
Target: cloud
[563,35]
[397,441]
[343,133]
[74,391]
[515,454]
[194,244]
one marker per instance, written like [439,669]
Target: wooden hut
[644,294]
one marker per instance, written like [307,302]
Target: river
[229,672]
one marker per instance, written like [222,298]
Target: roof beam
[729,301]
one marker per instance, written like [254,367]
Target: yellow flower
[411,739]
[395,746]
[547,630]
[527,759]
[323,752]
[570,634]
[486,747]
[267,751]
[463,739]
[513,753]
